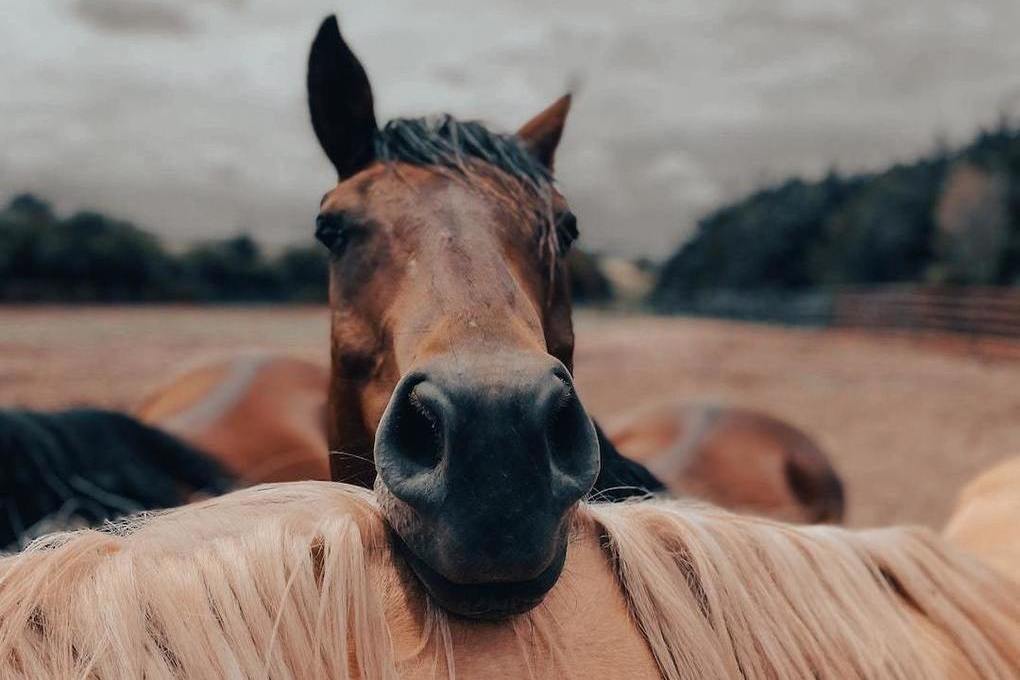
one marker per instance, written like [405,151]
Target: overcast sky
[188,116]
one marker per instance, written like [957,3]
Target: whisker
[355,456]
[600,495]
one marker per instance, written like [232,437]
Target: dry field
[906,421]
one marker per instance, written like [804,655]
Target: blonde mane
[297,581]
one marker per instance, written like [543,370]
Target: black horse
[84,466]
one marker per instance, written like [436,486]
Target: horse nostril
[573,447]
[419,434]
[411,435]
[564,423]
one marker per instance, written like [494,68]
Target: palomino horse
[263,416]
[987,518]
[299,581]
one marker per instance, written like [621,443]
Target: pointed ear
[340,100]
[541,135]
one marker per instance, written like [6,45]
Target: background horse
[736,458]
[300,581]
[264,417]
[84,466]
[987,518]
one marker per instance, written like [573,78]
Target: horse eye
[330,230]
[566,230]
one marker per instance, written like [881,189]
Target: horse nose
[510,439]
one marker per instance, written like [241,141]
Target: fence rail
[969,311]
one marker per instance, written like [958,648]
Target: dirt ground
[906,421]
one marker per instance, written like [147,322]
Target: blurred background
[806,207]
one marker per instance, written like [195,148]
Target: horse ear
[340,100]
[541,135]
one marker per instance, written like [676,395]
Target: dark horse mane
[449,143]
[82,467]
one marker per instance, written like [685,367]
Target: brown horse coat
[263,416]
[736,458]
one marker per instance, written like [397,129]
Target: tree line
[90,257]
[951,218]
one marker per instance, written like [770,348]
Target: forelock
[452,144]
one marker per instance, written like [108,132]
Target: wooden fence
[985,315]
[985,312]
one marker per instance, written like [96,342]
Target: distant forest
[89,257]
[952,218]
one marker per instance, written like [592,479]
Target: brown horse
[452,344]
[733,457]
[263,416]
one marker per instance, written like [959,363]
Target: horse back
[262,416]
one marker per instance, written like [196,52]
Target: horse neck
[351,442]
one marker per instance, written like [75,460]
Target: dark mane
[82,467]
[449,143]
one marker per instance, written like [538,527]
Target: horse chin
[483,601]
[494,599]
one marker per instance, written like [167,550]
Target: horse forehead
[434,212]
[393,192]
[396,187]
